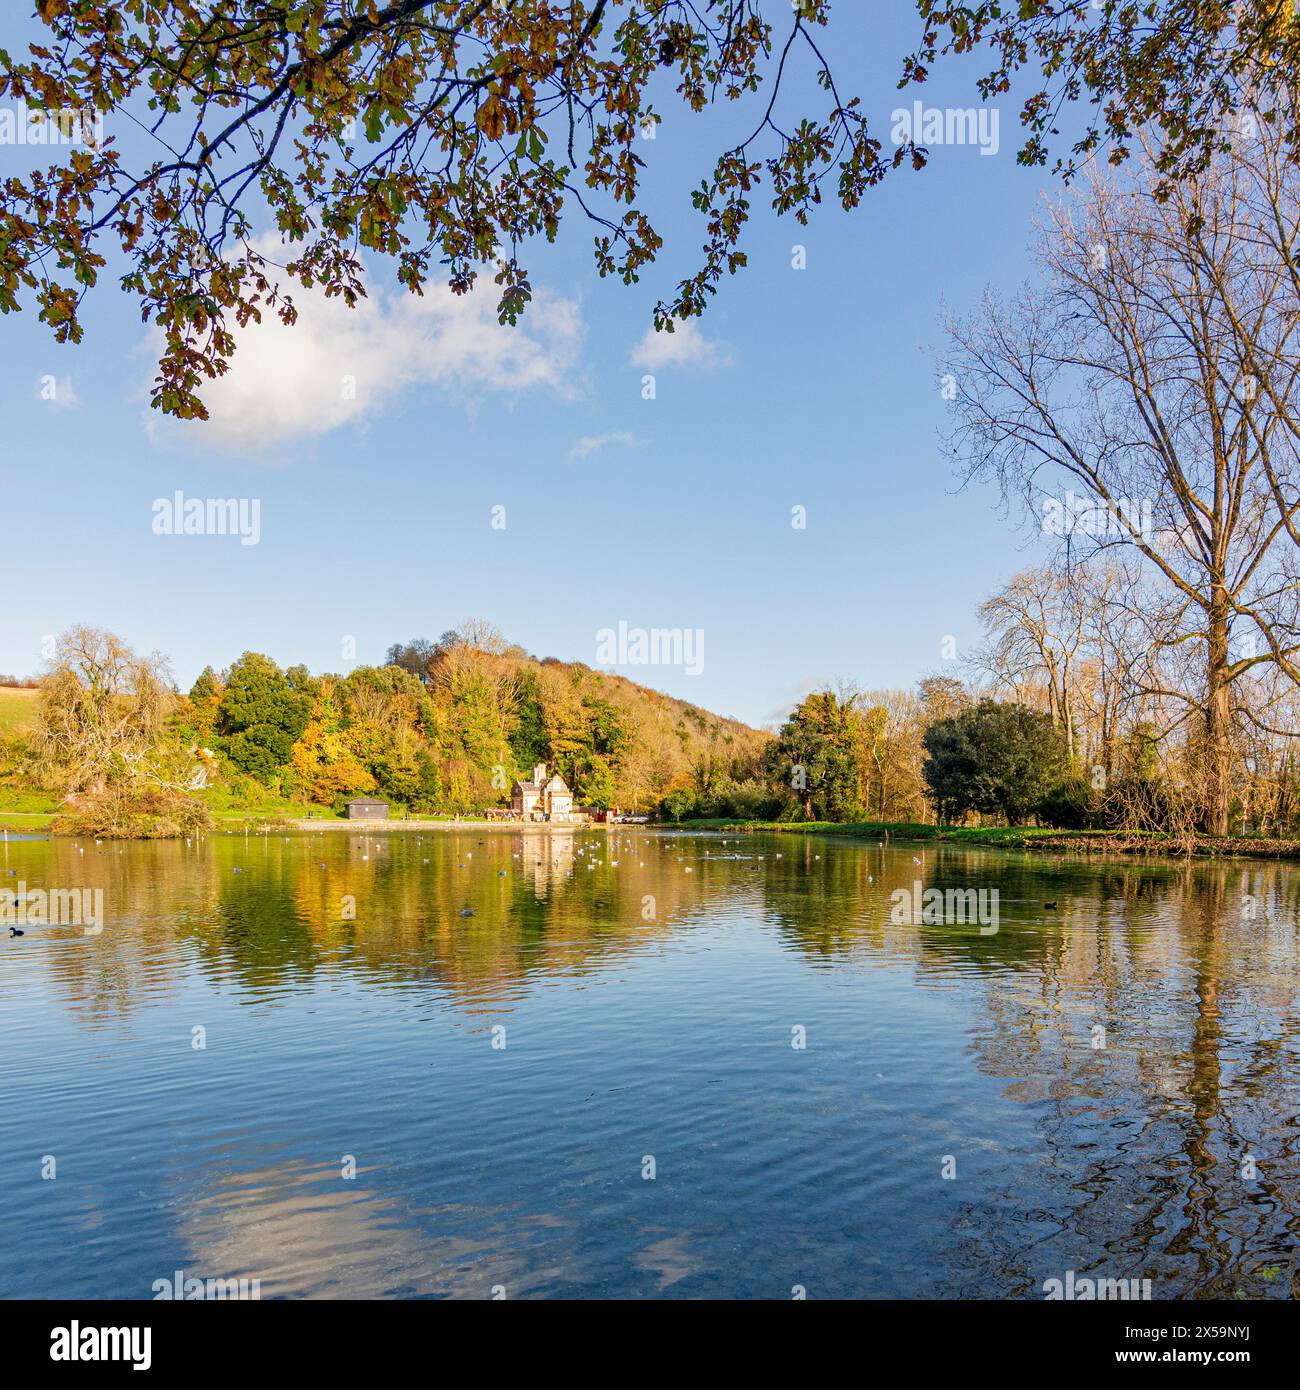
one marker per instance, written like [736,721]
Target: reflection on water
[560,1064]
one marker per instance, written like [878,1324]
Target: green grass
[21,799]
[17,709]
[24,810]
[26,821]
[1011,836]
[1024,837]
[227,806]
[20,809]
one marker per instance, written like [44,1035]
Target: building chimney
[539,773]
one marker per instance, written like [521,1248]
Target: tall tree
[1034,630]
[415,656]
[1154,366]
[263,713]
[815,756]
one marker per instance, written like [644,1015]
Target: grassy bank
[34,812]
[234,812]
[1013,837]
[1082,842]
[26,811]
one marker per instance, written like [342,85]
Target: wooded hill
[444,726]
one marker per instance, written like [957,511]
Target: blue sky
[807,387]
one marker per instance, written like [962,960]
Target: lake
[645,1065]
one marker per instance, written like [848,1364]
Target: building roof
[525,787]
[557,783]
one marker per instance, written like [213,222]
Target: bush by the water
[1071,805]
[122,812]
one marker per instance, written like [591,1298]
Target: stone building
[542,797]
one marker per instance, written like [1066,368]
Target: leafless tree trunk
[1155,369]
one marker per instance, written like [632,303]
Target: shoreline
[1083,844]
[373,826]
[1086,844]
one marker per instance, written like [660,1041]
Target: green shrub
[1070,805]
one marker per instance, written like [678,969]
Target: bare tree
[1154,367]
[1034,630]
[102,710]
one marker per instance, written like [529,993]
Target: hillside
[449,725]
[444,727]
[17,709]
[617,741]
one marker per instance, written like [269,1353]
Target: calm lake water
[639,1032]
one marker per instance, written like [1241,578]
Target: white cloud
[685,347]
[338,366]
[590,443]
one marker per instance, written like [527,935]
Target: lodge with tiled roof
[542,798]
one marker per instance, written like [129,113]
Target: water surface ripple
[415,1102]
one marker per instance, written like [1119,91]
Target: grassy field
[22,810]
[26,810]
[251,809]
[17,709]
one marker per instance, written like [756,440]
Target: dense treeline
[445,726]
[940,753]
[1102,656]
[1051,724]
[1079,708]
